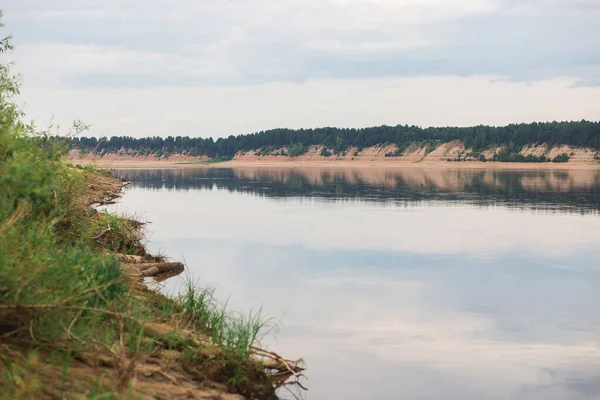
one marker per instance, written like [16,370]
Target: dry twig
[108,229]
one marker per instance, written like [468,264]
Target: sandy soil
[106,162]
[414,156]
[397,164]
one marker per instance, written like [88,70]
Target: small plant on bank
[325,152]
[296,149]
[561,158]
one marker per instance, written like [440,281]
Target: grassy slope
[72,324]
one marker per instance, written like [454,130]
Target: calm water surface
[399,284]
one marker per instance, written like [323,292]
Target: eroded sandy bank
[272,162]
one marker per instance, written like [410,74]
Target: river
[398,284]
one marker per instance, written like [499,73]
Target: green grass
[237,333]
[216,160]
[47,255]
[62,291]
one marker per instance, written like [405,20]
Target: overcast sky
[221,67]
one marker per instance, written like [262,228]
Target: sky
[222,67]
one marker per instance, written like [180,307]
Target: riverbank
[77,320]
[286,162]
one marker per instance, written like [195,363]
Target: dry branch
[275,361]
[105,231]
[135,223]
[281,368]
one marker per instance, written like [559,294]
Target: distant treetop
[297,141]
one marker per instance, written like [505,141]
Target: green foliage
[296,149]
[265,151]
[46,252]
[564,157]
[340,145]
[510,153]
[56,288]
[325,152]
[9,87]
[116,234]
[215,160]
[576,133]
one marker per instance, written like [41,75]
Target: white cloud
[304,63]
[365,47]
[225,110]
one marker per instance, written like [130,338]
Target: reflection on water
[559,189]
[420,284]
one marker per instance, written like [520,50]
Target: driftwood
[161,266]
[152,269]
[151,265]
[167,275]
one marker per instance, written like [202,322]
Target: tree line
[297,141]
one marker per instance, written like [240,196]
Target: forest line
[507,140]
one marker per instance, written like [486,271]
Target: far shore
[108,163]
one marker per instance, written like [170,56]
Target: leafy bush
[296,149]
[265,151]
[510,153]
[395,153]
[561,158]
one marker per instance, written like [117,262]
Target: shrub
[325,152]
[395,153]
[561,158]
[296,149]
